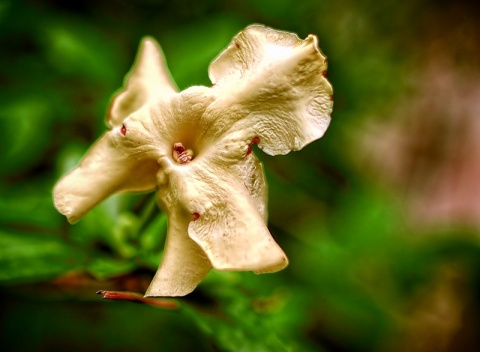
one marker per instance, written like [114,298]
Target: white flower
[194,148]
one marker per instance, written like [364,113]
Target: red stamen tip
[324,73]
[123,130]
[331,97]
[178,147]
[255,140]
[196,216]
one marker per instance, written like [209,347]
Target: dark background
[380,218]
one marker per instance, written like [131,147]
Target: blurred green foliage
[357,264]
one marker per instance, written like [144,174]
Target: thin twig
[137,297]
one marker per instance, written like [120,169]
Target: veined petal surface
[226,218]
[271,85]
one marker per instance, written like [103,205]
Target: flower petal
[234,153]
[271,85]
[225,221]
[184,265]
[148,79]
[250,171]
[115,163]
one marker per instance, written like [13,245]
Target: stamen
[196,216]
[182,155]
[123,130]
[255,140]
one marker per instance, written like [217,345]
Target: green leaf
[238,335]
[28,204]
[32,257]
[25,133]
[252,313]
[104,268]
[153,237]
[76,47]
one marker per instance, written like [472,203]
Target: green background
[380,218]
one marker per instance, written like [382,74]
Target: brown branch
[137,297]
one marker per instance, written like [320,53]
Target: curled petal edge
[225,219]
[272,84]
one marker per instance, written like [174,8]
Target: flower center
[181,155]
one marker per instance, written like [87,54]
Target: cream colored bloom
[194,148]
